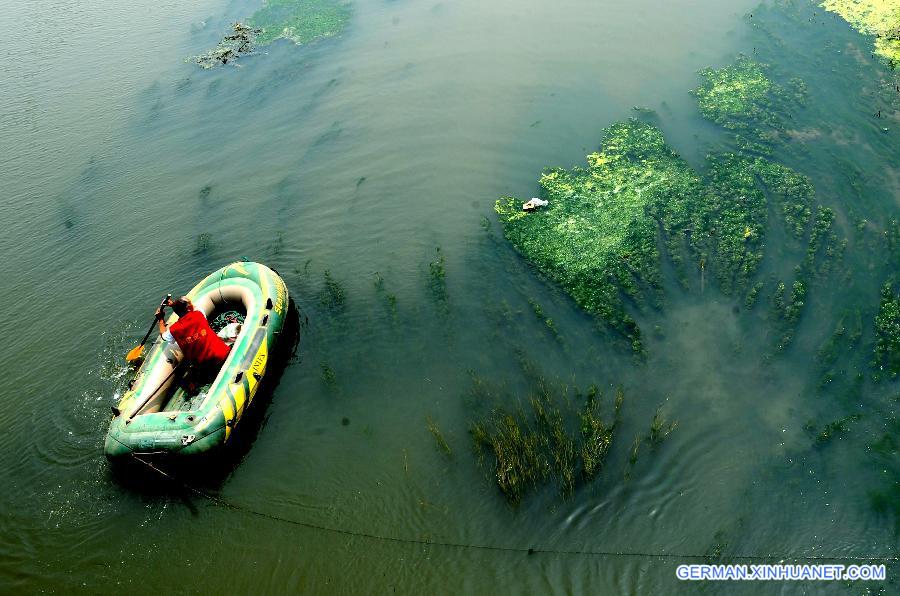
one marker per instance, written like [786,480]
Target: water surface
[128,173]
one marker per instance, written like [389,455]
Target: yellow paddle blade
[135,353]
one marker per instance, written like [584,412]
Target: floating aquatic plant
[598,235]
[332,296]
[607,227]
[743,99]
[880,18]
[300,21]
[442,444]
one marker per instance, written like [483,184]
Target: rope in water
[499,548]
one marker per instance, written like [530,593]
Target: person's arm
[161,317]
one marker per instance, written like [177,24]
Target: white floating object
[533,204]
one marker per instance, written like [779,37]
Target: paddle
[136,352]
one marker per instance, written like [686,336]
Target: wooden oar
[136,352]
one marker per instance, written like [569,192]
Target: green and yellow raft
[156,416]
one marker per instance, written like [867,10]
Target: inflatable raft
[157,415]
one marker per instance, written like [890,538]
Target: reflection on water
[347,165]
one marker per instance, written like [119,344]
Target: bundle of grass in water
[552,439]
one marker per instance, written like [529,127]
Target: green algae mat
[610,227]
[878,18]
[299,21]
[597,237]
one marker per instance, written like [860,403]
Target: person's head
[181,306]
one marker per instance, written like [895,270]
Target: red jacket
[197,340]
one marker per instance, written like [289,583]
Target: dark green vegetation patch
[743,99]
[598,235]
[609,228]
[887,333]
[301,21]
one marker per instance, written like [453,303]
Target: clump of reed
[660,428]
[553,436]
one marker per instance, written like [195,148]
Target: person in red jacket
[199,344]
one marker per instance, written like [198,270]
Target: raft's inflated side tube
[139,427]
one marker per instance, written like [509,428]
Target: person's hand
[160,313]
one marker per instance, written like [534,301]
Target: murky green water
[127,172]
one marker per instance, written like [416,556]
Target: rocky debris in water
[239,43]
[743,99]
[880,18]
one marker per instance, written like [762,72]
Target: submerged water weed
[879,18]
[547,321]
[390,299]
[847,334]
[328,375]
[886,361]
[333,296]
[885,451]
[660,428]
[203,243]
[438,436]
[832,429]
[633,456]
[743,99]
[437,280]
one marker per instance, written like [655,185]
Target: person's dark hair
[180,306]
